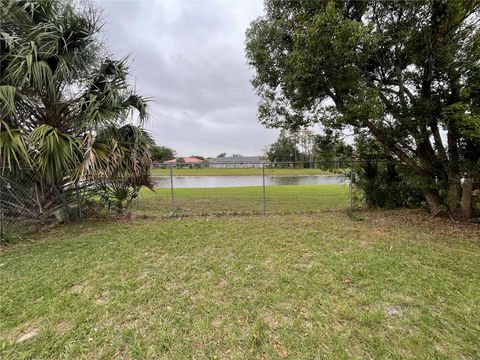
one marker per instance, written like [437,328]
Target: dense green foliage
[386,184]
[325,150]
[63,104]
[162,153]
[284,149]
[329,148]
[383,182]
[406,72]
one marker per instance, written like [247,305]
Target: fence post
[264,197]
[350,187]
[171,188]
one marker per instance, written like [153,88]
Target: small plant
[118,195]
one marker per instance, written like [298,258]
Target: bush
[384,184]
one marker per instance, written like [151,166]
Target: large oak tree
[406,72]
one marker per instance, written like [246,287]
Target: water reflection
[238,181]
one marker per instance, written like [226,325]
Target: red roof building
[187,160]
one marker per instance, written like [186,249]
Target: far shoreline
[245,172]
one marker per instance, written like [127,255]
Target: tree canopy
[328,148]
[405,72]
[162,153]
[284,149]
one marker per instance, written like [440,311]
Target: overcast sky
[188,56]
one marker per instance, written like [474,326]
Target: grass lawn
[387,285]
[244,200]
[246,171]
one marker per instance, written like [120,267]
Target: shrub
[384,184]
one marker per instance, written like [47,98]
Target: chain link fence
[28,204]
[215,189]
[239,188]
[262,188]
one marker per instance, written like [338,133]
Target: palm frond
[7,100]
[13,151]
[56,154]
[96,158]
[130,154]
[139,103]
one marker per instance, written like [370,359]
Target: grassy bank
[241,172]
[244,200]
[393,285]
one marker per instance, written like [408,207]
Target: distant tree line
[305,147]
[162,153]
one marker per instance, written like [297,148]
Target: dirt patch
[27,335]
[62,328]
[281,350]
[217,322]
[102,298]
[196,297]
[128,324]
[393,311]
[144,286]
[271,321]
[79,288]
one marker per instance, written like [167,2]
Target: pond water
[238,181]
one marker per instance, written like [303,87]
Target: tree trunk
[467,194]
[454,199]
[434,203]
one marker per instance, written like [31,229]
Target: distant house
[236,162]
[188,161]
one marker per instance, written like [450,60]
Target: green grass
[393,285]
[244,200]
[246,171]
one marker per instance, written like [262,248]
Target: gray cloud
[188,56]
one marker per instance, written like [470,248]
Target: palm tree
[60,98]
